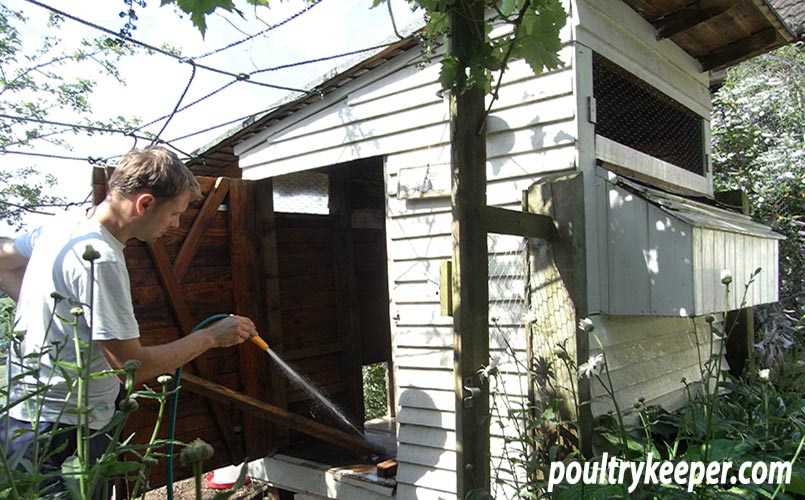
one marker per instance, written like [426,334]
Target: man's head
[156,186]
[155,170]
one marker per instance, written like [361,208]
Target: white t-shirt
[56,265]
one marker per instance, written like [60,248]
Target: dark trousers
[57,444]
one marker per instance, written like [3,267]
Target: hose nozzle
[259,342]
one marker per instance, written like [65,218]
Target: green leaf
[200,9]
[797,484]
[537,36]
[509,7]
[449,72]
[72,471]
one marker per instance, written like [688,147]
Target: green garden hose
[173,410]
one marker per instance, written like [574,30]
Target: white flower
[486,371]
[530,316]
[586,325]
[726,276]
[763,374]
[592,367]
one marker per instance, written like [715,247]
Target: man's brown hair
[155,170]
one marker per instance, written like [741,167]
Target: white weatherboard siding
[649,357]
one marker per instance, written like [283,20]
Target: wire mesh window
[633,113]
[302,193]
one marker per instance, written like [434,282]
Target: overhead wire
[321,59]
[269,28]
[178,108]
[237,76]
[178,103]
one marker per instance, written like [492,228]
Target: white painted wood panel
[419,225]
[670,264]
[433,456]
[426,436]
[530,139]
[532,164]
[560,108]
[353,130]
[419,314]
[426,418]
[648,357]
[423,378]
[519,85]
[427,399]
[428,356]
[423,335]
[427,477]
[410,492]
[415,271]
[415,292]
[398,69]
[627,241]
[612,152]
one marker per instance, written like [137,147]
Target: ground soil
[186,490]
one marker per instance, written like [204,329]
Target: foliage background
[758,131]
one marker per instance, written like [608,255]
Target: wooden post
[470,265]
[345,285]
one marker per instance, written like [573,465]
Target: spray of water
[300,381]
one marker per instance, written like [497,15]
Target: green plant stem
[793,461]
[154,435]
[611,393]
[197,475]
[82,437]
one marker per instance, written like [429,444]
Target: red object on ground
[223,482]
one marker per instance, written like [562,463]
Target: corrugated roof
[699,214]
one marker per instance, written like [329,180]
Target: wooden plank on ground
[277,415]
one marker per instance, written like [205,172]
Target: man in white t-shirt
[47,272]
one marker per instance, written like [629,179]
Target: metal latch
[474,392]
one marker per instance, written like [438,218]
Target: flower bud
[195,452]
[586,325]
[164,379]
[90,254]
[131,366]
[77,311]
[128,405]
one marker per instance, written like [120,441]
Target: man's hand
[231,330]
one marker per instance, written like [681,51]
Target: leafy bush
[374,390]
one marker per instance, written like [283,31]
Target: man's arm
[12,268]
[161,359]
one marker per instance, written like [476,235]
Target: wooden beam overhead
[691,16]
[745,48]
